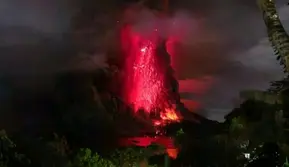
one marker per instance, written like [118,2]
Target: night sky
[245,59]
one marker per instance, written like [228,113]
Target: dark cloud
[256,67]
[227,43]
[243,60]
[46,16]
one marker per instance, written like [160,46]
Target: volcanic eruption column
[150,84]
[148,73]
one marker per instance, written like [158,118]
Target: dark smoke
[226,50]
[217,57]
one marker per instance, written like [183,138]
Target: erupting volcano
[144,82]
[149,83]
[146,85]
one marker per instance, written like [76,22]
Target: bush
[85,158]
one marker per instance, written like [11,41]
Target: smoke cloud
[224,50]
[246,58]
[224,45]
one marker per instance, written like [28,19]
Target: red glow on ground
[173,152]
[166,142]
[147,141]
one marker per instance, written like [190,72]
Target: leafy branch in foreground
[8,155]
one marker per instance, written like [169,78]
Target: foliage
[264,96]
[276,32]
[85,158]
[62,155]
[59,145]
[286,164]
[8,155]
[180,132]
[132,156]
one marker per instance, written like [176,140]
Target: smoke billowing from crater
[218,53]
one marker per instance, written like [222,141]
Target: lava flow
[147,85]
[169,115]
[144,82]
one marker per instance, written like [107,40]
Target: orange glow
[170,115]
[173,152]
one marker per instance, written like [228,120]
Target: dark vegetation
[80,122]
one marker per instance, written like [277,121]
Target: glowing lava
[144,87]
[170,115]
[167,116]
[147,81]
[147,84]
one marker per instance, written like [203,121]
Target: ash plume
[224,50]
[217,57]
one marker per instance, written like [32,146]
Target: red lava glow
[167,142]
[167,116]
[145,81]
[170,115]
[147,141]
[173,152]
[148,82]
[144,85]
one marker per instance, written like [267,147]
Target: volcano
[148,81]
